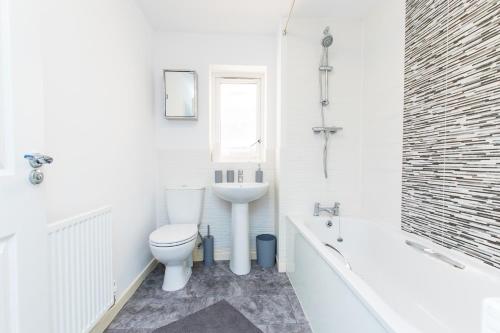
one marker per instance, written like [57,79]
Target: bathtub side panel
[329,304]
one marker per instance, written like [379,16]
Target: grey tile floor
[264,296]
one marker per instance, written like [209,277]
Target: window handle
[256,142]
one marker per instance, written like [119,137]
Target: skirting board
[218,254]
[108,317]
[226,255]
[281,265]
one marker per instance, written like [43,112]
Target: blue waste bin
[266,250]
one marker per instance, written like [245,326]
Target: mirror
[181,90]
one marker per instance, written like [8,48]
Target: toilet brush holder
[208,249]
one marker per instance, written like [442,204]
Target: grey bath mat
[220,317]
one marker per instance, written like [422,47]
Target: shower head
[327,40]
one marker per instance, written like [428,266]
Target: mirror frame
[195,97]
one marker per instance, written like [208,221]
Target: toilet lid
[173,233]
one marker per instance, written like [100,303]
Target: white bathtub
[391,288]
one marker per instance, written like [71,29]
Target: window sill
[237,162]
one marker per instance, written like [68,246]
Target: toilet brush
[208,248]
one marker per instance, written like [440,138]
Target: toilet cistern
[240,194]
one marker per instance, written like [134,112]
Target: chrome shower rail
[285,29]
[340,253]
[324,70]
[436,255]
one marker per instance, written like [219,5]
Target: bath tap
[333,211]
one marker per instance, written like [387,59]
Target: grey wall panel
[451,130]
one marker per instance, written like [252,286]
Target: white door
[23,231]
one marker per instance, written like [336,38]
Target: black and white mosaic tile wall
[451,127]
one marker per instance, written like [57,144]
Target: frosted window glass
[238,121]
[238,117]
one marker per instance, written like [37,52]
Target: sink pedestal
[240,246]
[239,195]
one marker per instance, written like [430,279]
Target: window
[237,116]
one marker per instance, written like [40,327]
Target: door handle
[36,161]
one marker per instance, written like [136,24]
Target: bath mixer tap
[240,176]
[333,211]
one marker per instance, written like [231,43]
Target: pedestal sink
[240,194]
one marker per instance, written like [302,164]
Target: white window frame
[242,77]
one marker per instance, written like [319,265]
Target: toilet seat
[173,235]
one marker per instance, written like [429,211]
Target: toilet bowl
[172,244]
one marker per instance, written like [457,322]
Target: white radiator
[81,278]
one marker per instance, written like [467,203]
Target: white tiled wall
[382,127]
[193,167]
[366,97]
[183,146]
[300,151]
[366,92]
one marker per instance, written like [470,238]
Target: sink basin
[240,192]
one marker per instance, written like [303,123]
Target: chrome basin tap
[333,211]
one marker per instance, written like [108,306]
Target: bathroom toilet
[172,244]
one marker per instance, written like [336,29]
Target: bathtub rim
[383,313]
[473,265]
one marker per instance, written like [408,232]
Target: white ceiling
[242,16]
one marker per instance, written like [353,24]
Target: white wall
[300,151]
[384,31]
[184,145]
[99,121]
